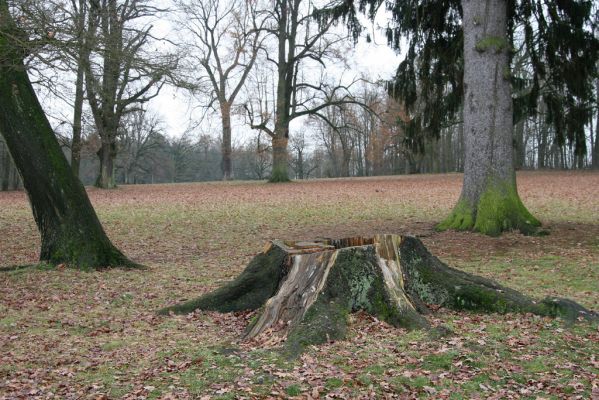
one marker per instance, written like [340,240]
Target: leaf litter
[65,334]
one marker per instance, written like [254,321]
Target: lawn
[74,335]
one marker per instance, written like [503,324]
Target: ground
[72,334]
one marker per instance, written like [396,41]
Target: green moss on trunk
[498,209]
[279,174]
[461,218]
[280,159]
[429,279]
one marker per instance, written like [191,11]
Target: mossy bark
[489,202]
[306,290]
[70,230]
[106,155]
[497,209]
[280,160]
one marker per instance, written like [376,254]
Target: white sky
[177,109]
[374,60]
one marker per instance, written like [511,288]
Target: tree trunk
[300,164]
[460,155]
[70,230]
[14,179]
[106,154]
[280,159]
[579,161]
[595,147]
[520,145]
[345,163]
[542,137]
[5,177]
[489,202]
[306,290]
[226,165]
[77,112]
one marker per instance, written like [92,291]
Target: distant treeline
[146,155]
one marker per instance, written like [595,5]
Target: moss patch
[499,209]
[461,218]
[494,43]
[279,174]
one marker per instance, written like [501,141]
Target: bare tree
[139,139]
[299,40]
[260,157]
[298,148]
[226,38]
[121,72]
[57,29]
[80,54]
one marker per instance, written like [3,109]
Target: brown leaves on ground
[71,335]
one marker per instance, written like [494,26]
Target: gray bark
[489,202]
[226,164]
[487,98]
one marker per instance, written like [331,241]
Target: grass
[77,334]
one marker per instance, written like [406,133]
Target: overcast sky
[374,60]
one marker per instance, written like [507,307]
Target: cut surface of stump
[305,290]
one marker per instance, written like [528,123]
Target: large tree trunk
[489,202]
[226,164]
[306,290]
[107,155]
[285,75]
[70,230]
[280,159]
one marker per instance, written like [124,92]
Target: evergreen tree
[459,53]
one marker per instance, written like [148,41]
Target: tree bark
[5,178]
[83,55]
[280,160]
[288,24]
[489,202]
[70,230]
[226,164]
[306,290]
[77,113]
[107,155]
[520,145]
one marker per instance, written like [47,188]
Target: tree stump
[306,290]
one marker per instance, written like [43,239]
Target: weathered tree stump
[307,289]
